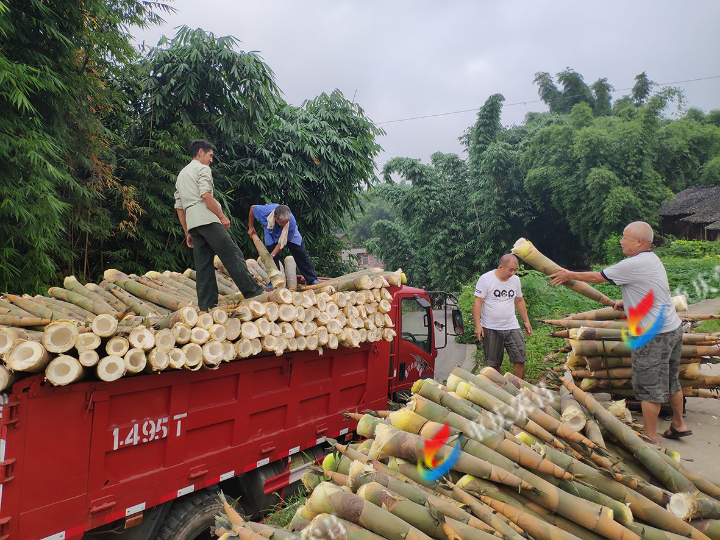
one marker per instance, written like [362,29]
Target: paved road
[454,353]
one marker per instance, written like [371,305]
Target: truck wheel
[191,517]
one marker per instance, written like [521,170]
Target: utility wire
[532,101]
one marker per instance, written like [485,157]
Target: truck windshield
[415,324]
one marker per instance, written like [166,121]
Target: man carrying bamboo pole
[646,294]
[497,294]
[205,226]
[280,230]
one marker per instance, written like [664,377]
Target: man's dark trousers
[302,260]
[210,240]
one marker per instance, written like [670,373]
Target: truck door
[416,353]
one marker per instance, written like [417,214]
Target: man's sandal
[672,433]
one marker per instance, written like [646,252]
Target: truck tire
[191,517]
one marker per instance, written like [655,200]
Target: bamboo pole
[529,253]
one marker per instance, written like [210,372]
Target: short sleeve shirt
[262,211]
[192,183]
[498,309]
[638,275]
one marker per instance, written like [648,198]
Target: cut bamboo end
[276,330]
[388,321]
[188,316]
[321,303]
[680,302]
[243,313]
[199,335]
[384,306]
[309,299]
[181,333]
[7,378]
[334,327]
[310,328]
[220,316]
[135,360]
[110,368]
[256,308]
[228,351]
[333,342]
[301,343]
[60,336]
[233,328]
[281,345]
[256,345]
[87,341]
[287,330]
[64,370]
[272,311]
[8,337]
[89,357]
[193,355]
[212,353]
[117,346]
[292,344]
[264,327]
[142,338]
[298,328]
[177,358]
[205,320]
[297,298]
[104,325]
[312,342]
[389,334]
[165,340]
[249,330]
[340,299]
[322,318]
[287,313]
[269,343]
[682,505]
[158,360]
[243,348]
[218,332]
[322,336]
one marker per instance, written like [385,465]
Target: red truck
[143,457]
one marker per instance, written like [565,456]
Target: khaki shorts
[655,367]
[494,341]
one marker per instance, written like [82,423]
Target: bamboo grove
[522,472]
[93,132]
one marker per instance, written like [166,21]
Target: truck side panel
[137,442]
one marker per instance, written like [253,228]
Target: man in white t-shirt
[655,366]
[497,294]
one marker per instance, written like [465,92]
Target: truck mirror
[457,321]
[422,302]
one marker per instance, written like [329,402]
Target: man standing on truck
[280,230]
[497,294]
[655,365]
[205,228]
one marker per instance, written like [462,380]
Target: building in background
[364,259]
[693,214]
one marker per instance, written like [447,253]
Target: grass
[282,513]
[709,326]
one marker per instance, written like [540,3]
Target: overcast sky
[404,59]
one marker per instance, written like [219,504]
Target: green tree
[54,147]
[641,89]
[375,207]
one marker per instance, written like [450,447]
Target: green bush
[698,279]
[689,249]
[612,250]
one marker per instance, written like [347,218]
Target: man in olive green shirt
[205,228]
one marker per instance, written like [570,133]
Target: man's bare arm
[522,309]
[251,222]
[562,275]
[477,312]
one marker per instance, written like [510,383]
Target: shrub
[689,249]
[612,251]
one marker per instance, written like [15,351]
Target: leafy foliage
[94,132]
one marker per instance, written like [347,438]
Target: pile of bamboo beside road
[600,361]
[131,324]
[520,471]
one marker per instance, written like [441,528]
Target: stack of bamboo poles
[521,472]
[130,324]
[599,361]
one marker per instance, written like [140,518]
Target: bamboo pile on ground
[517,471]
[131,324]
[600,361]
